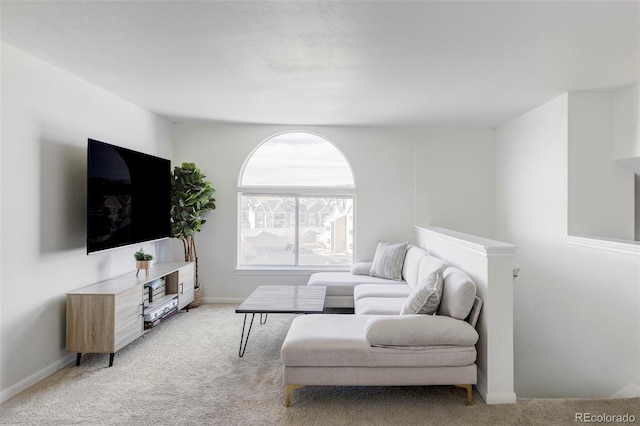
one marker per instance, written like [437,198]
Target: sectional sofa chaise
[415,328]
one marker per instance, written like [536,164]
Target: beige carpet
[187,371]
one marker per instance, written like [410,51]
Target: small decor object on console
[143,261]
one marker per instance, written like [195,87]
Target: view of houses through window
[296,204]
[318,230]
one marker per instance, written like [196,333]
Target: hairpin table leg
[242,337]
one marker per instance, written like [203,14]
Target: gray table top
[284,299]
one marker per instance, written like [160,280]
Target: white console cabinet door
[129,321]
[187,277]
[181,283]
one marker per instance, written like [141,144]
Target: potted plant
[191,198]
[143,261]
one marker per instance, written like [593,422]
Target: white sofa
[340,285]
[379,347]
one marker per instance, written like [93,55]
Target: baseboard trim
[493,397]
[632,390]
[38,376]
[222,300]
[500,398]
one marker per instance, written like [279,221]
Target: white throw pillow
[388,260]
[425,297]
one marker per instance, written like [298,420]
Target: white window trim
[253,151]
[288,270]
[300,191]
[293,191]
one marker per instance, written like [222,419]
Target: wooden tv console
[106,316]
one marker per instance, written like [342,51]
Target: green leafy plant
[191,198]
[140,255]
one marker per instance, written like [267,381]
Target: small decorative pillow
[388,260]
[426,295]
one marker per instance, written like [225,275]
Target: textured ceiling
[439,63]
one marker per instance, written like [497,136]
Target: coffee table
[279,299]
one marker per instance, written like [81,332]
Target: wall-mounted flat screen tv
[128,197]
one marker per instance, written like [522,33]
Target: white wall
[576,309]
[626,131]
[393,167]
[626,138]
[1,216]
[601,191]
[637,207]
[455,179]
[47,116]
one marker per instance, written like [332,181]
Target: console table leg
[242,337]
[111,355]
[78,356]
[265,319]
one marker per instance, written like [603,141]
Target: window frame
[296,192]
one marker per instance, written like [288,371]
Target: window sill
[283,270]
[607,244]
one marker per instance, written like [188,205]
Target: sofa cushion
[458,294]
[381,290]
[342,283]
[388,260]
[379,305]
[361,268]
[425,297]
[419,330]
[428,265]
[336,340]
[411,265]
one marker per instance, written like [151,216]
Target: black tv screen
[128,197]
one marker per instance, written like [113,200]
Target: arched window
[296,204]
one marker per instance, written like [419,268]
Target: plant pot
[143,264]
[197,298]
